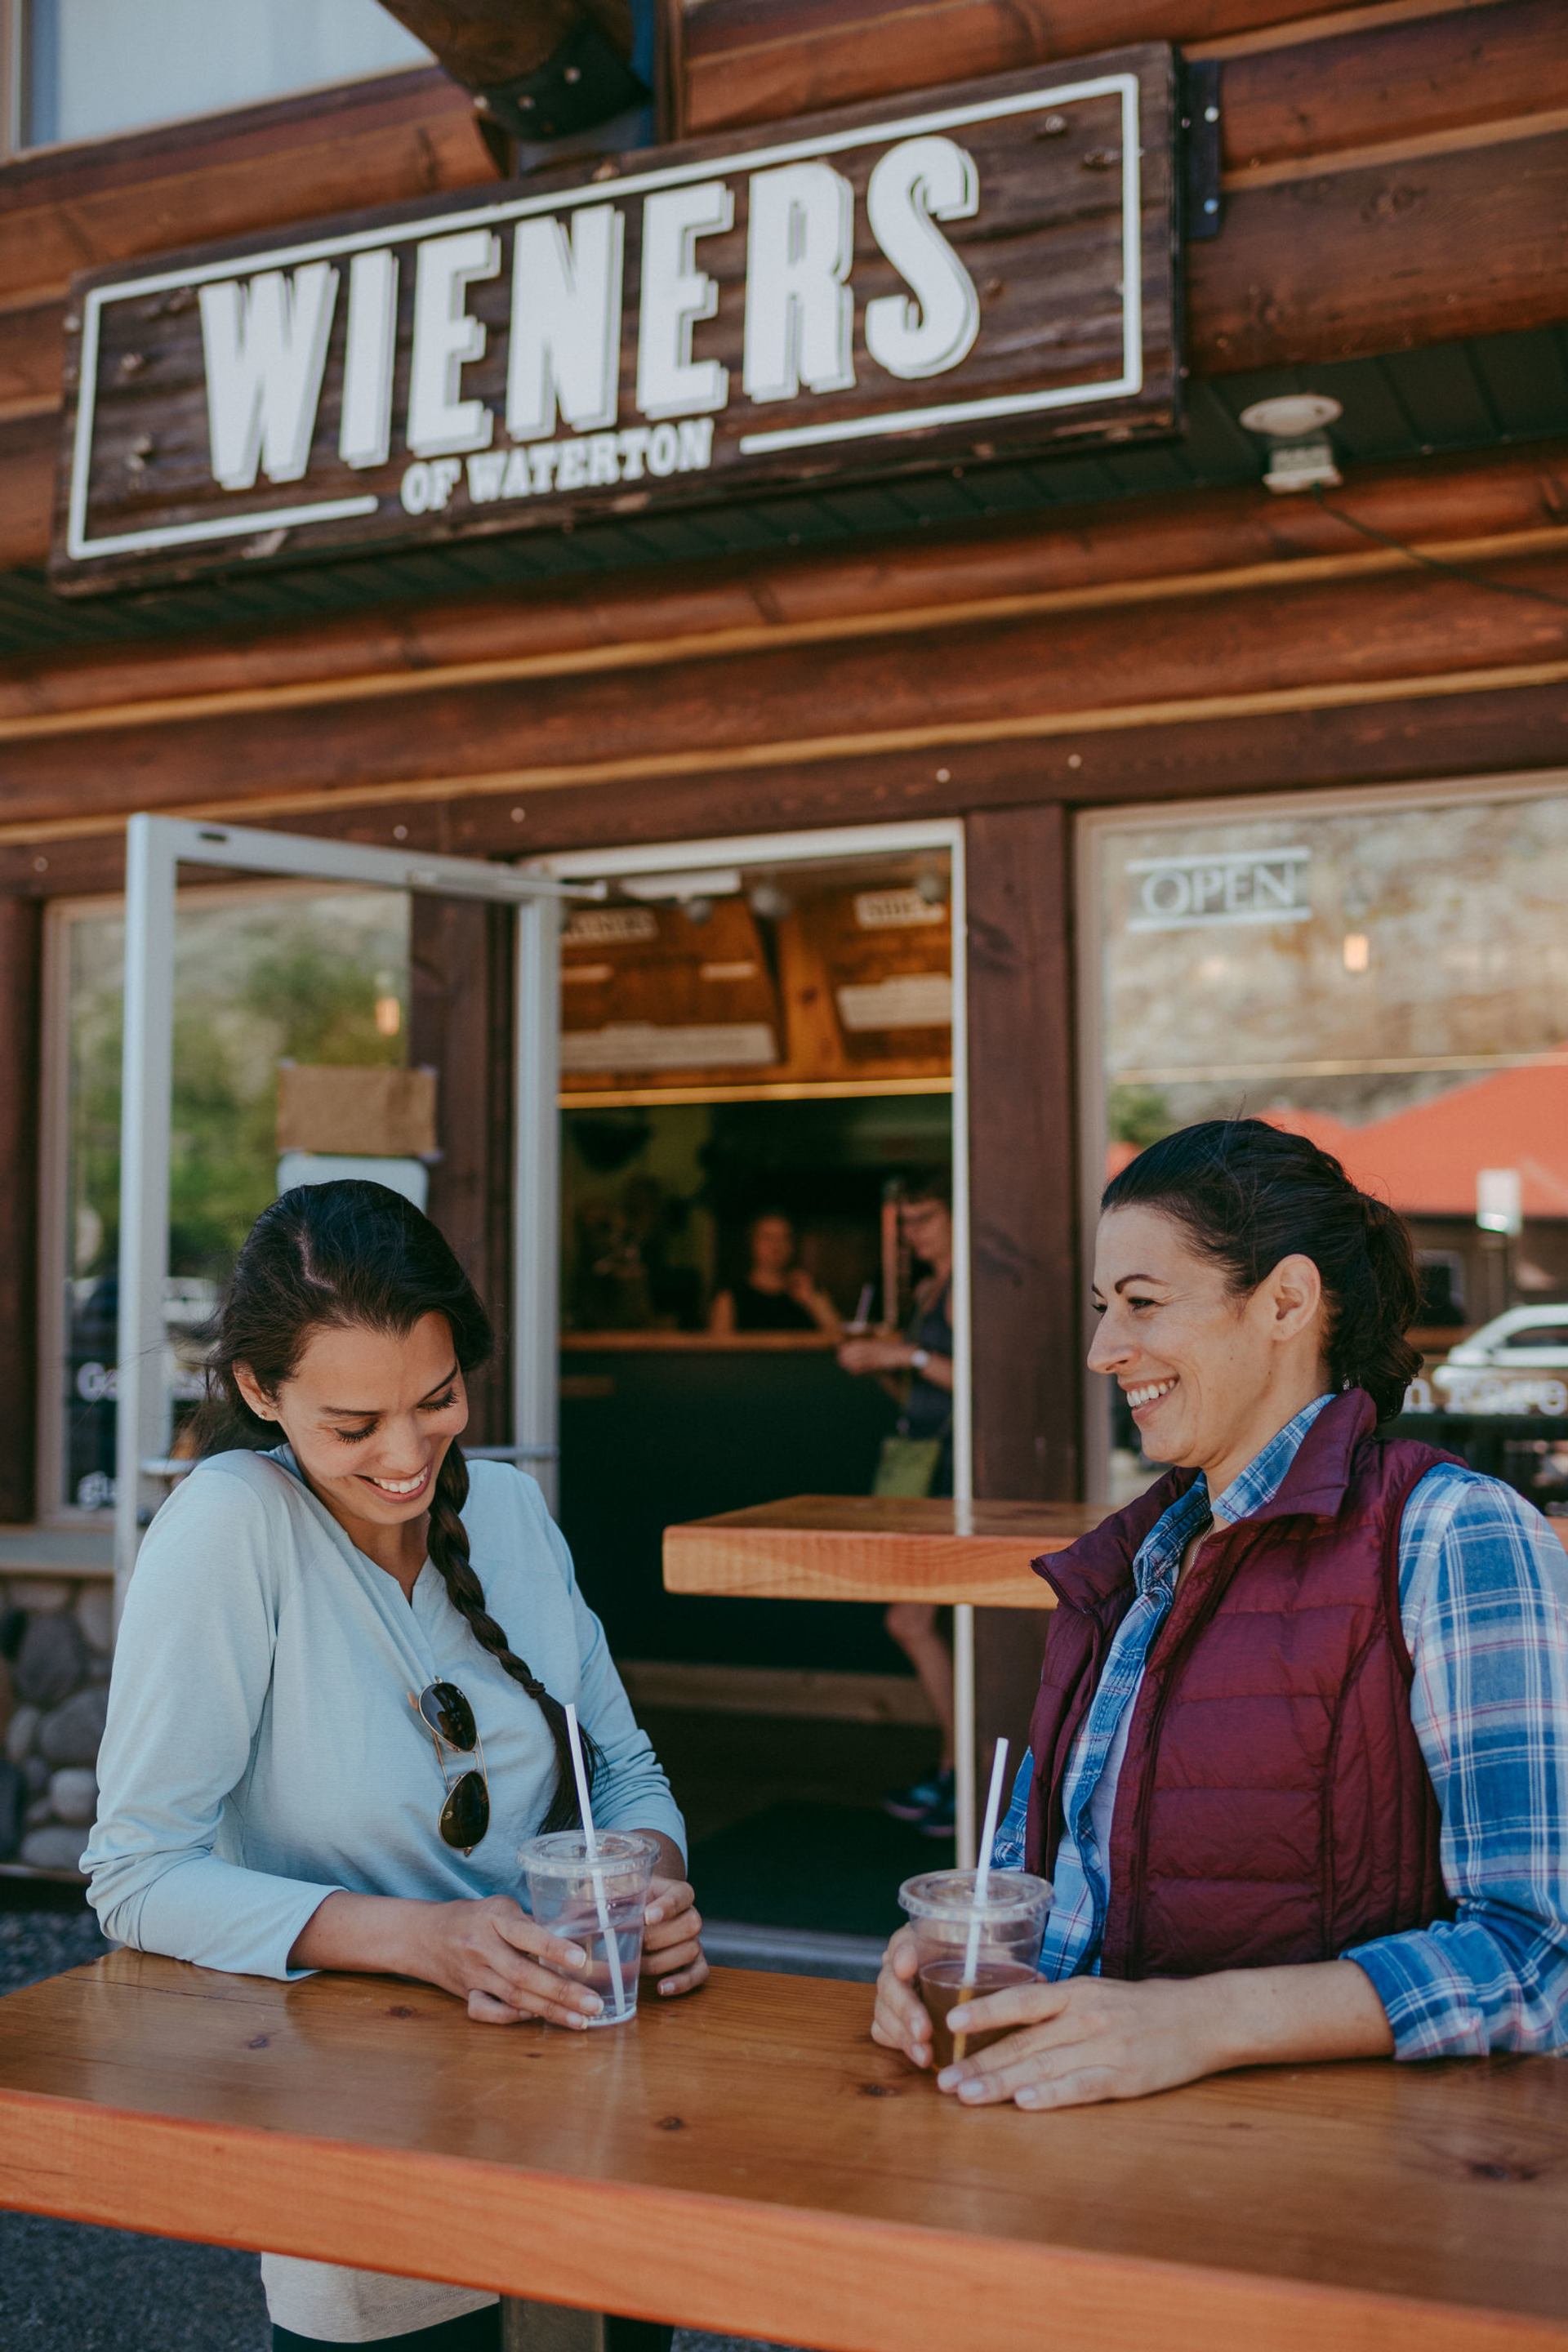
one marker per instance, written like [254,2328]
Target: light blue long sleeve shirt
[261,1751]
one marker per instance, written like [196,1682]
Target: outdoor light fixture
[1295,426]
[1499,1202]
[769,902]
[931,887]
[1357,951]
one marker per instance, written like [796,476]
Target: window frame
[1092,829]
[54,1164]
[15,147]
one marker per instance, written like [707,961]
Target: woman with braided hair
[338,1705]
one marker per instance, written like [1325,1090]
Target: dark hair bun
[1250,1195]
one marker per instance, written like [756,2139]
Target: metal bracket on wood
[1201,148]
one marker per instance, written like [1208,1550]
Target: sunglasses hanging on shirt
[450,1720]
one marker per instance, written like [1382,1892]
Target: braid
[449,1552]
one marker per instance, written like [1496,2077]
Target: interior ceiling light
[1295,427]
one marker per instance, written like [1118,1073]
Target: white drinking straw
[988,1837]
[596,1869]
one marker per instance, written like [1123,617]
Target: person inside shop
[917,1459]
[1299,1761]
[776,1293]
[338,1704]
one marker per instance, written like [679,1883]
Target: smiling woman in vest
[1299,1765]
[338,1704]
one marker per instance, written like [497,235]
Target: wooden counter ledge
[748,2162]
[869,1547]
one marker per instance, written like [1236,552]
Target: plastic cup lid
[949,1894]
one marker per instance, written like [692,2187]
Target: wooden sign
[917,282]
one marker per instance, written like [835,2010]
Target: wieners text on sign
[892,287]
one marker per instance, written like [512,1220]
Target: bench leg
[556,2327]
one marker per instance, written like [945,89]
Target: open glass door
[156,849]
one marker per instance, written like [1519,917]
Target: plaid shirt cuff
[1432,2007]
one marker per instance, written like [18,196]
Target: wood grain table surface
[875,1547]
[747,2161]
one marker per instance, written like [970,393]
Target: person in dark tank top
[775,1293]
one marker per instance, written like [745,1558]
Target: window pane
[1393,982]
[319,977]
[95,67]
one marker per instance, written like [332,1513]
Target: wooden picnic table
[748,2161]
[875,1548]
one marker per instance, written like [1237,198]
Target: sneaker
[926,1799]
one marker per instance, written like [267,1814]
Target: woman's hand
[900,2022]
[1090,2038]
[872,1355]
[670,1950]
[491,1953]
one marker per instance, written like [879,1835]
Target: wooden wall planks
[1312,90]
[1027,1339]
[1409,78]
[1115,552]
[1024,678]
[1343,257]
[1383,256]
[330,151]
[755,60]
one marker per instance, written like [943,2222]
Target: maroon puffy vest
[1274,1804]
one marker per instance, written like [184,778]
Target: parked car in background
[1517,1364]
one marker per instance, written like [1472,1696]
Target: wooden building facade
[1019,642]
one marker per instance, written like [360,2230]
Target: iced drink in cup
[941,1912]
[598,1904]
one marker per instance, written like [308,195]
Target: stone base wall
[55,1634]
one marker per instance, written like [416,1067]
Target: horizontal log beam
[30,448]
[1222,648]
[1115,553]
[374,143]
[758,61]
[1384,257]
[1389,69]
[1388,737]
[1285,109]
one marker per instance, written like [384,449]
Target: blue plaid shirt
[1483,1592]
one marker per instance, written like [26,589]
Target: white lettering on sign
[446,338]
[915,1000]
[1501,1391]
[266,348]
[603,927]
[1239,886]
[565,323]
[370,355]
[676,293]
[895,910]
[522,330]
[693,1045]
[601,458]
[914,186]
[800,312]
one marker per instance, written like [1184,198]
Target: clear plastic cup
[940,1907]
[598,1905]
